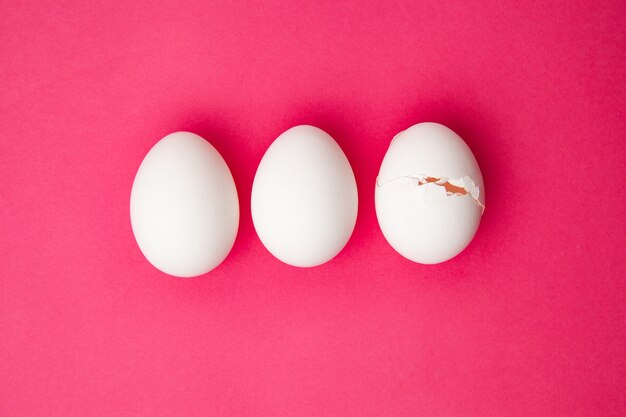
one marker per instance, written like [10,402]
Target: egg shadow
[232,144]
[482,134]
[345,128]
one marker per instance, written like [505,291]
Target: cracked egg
[429,194]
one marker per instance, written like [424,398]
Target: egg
[184,209]
[304,197]
[429,194]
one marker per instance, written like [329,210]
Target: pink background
[528,321]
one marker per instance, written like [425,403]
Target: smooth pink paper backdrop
[528,321]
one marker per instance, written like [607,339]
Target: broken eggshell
[429,194]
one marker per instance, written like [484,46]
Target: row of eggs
[184,207]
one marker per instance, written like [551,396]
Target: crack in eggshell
[454,187]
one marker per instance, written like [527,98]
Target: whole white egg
[184,208]
[304,197]
[429,194]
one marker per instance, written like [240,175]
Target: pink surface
[528,321]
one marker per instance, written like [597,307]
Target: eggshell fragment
[184,208]
[304,197]
[429,194]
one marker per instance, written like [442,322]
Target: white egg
[184,209]
[429,194]
[304,197]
